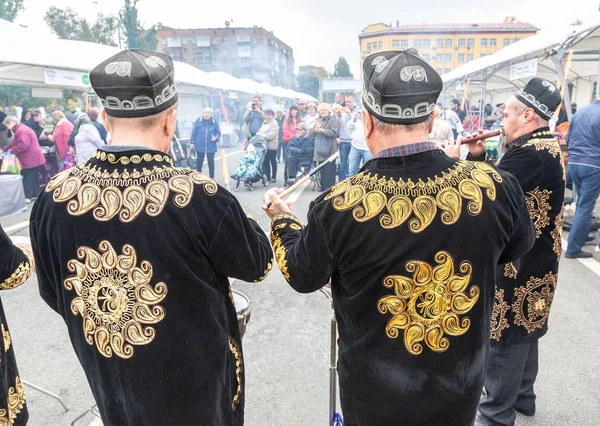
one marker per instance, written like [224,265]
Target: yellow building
[444,46]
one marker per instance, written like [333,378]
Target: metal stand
[45,392]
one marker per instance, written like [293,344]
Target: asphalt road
[287,346]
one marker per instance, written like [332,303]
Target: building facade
[444,46]
[253,53]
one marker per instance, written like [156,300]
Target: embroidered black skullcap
[135,83]
[400,87]
[540,95]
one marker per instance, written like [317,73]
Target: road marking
[228,155]
[16,227]
[296,194]
[590,263]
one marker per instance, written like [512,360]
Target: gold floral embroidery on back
[428,304]
[510,271]
[499,321]
[533,301]
[557,234]
[115,298]
[16,402]
[239,367]
[107,195]
[537,204]
[368,195]
[5,338]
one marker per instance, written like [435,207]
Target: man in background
[301,109]
[455,106]
[340,99]
[350,103]
[254,117]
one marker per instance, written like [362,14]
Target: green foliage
[66,24]
[15,95]
[342,68]
[9,9]
[309,84]
[135,34]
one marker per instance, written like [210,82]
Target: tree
[66,24]
[342,69]
[9,9]
[309,84]
[137,37]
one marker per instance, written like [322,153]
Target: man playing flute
[411,245]
[134,254]
[526,286]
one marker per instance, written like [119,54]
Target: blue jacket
[583,137]
[202,134]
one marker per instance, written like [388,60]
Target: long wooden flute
[304,179]
[482,136]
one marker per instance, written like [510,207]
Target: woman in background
[311,118]
[87,138]
[205,135]
[60,136]
[326,133]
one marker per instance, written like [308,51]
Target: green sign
[85,78]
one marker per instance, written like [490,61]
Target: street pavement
[286,345]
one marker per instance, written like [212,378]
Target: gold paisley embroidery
[26,249]
[135,159]
[239,367]
[15,403]
[428,304]
[510,271]
[5,338]
[557,234]
[395,201]
[18,277]
[533,301]
[499,321]
[537,204]
[549,144]
[115,298]
[91,189]
[280,255]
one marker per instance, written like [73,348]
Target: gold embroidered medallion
[115,298]
[533,301]
[499,321]
[537,204]
[395,201]
[239,367]
[428,304]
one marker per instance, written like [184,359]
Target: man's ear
[432,120]
[171,123]
[105,121]
[368,123]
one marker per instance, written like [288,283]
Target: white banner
[59,77]
[524,69]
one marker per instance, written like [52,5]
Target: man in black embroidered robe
[411,245]
[134,254]
[525,287]
[16,265]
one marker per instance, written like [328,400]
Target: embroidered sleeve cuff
[286,218]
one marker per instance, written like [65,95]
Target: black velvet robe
[526,287]
[411,245]
[16,266]
[134,254]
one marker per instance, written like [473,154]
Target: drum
[242,307]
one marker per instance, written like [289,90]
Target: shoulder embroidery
[428,304]
[133,159]
[86,188]
[537,204]
[499,321]
[545,143]
[397,200]
[115,298]
[533,301]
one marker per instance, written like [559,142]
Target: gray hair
[520,108]
[389,129]
[208,109]
[326,106]
[10,119]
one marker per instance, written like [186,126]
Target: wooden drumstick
[304,179]
[224,170]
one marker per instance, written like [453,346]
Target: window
[417,43]
[506,42]
[368,47]
[215,49]
[493,42]
[470,42]
[203,41]
[446,70]
[461,57]
[224,51]
[380,45]
[163,40]
[515,40]
[461,42]
[426,43]
[439,42]
[185,51]
[448,57]
[483,55]
[224,39]
[448,42]
[395,44]
[426,57]
[244,51]
[439,57]
[484,42]
[438,70]
[469,57]
[405,44]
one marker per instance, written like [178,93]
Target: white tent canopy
[492,74]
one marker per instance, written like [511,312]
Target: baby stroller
[251,164]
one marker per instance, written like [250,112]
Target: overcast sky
[320,31]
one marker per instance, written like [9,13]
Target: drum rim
[245,310]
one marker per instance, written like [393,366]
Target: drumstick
[304,179]
[482,136]
[224,170]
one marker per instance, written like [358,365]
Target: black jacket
[302,147]
[411,245]
[134,254]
